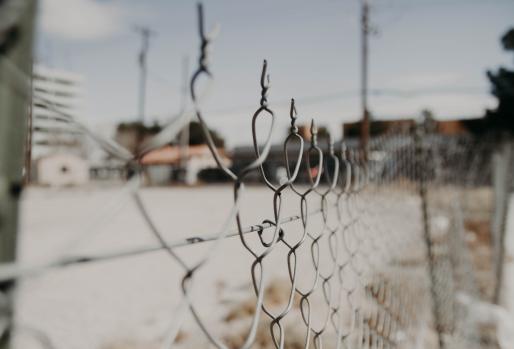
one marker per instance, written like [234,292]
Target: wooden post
[15,91]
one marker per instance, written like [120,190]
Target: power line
[375,92]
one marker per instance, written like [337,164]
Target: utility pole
[364,76]
[15,91]
[145,33]
[184,89]
[184,134]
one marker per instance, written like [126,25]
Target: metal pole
[145,33]
[15,90]
[422,159]
[364,76]
[28,148]
[502,162]
[184,134]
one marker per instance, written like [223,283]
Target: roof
[171,154]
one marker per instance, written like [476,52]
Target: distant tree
[428,117]
[132,134]
[427,114]
[139,127]
[196,135]
[353,130]
[138,132]
[323,134]
[376,127]
[502,81]
[508,40]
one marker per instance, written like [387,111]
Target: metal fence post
[422,168]
[16,37]
[502,163]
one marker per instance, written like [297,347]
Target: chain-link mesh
[375,246]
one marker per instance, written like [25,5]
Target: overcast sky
[426,54]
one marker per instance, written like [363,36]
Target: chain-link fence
[388,248]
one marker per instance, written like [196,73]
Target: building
[451,127]
[161,163]
[57,95]
[378,127]
[62,169]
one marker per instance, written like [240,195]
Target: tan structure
[160,162]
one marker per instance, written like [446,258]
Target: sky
[423,54]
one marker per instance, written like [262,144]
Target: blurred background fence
[319,244]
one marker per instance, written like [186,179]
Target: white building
[60,90]
[57,94]
[60,170]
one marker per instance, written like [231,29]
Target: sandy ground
[132,301]
[132,298]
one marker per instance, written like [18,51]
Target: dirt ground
[131,303]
